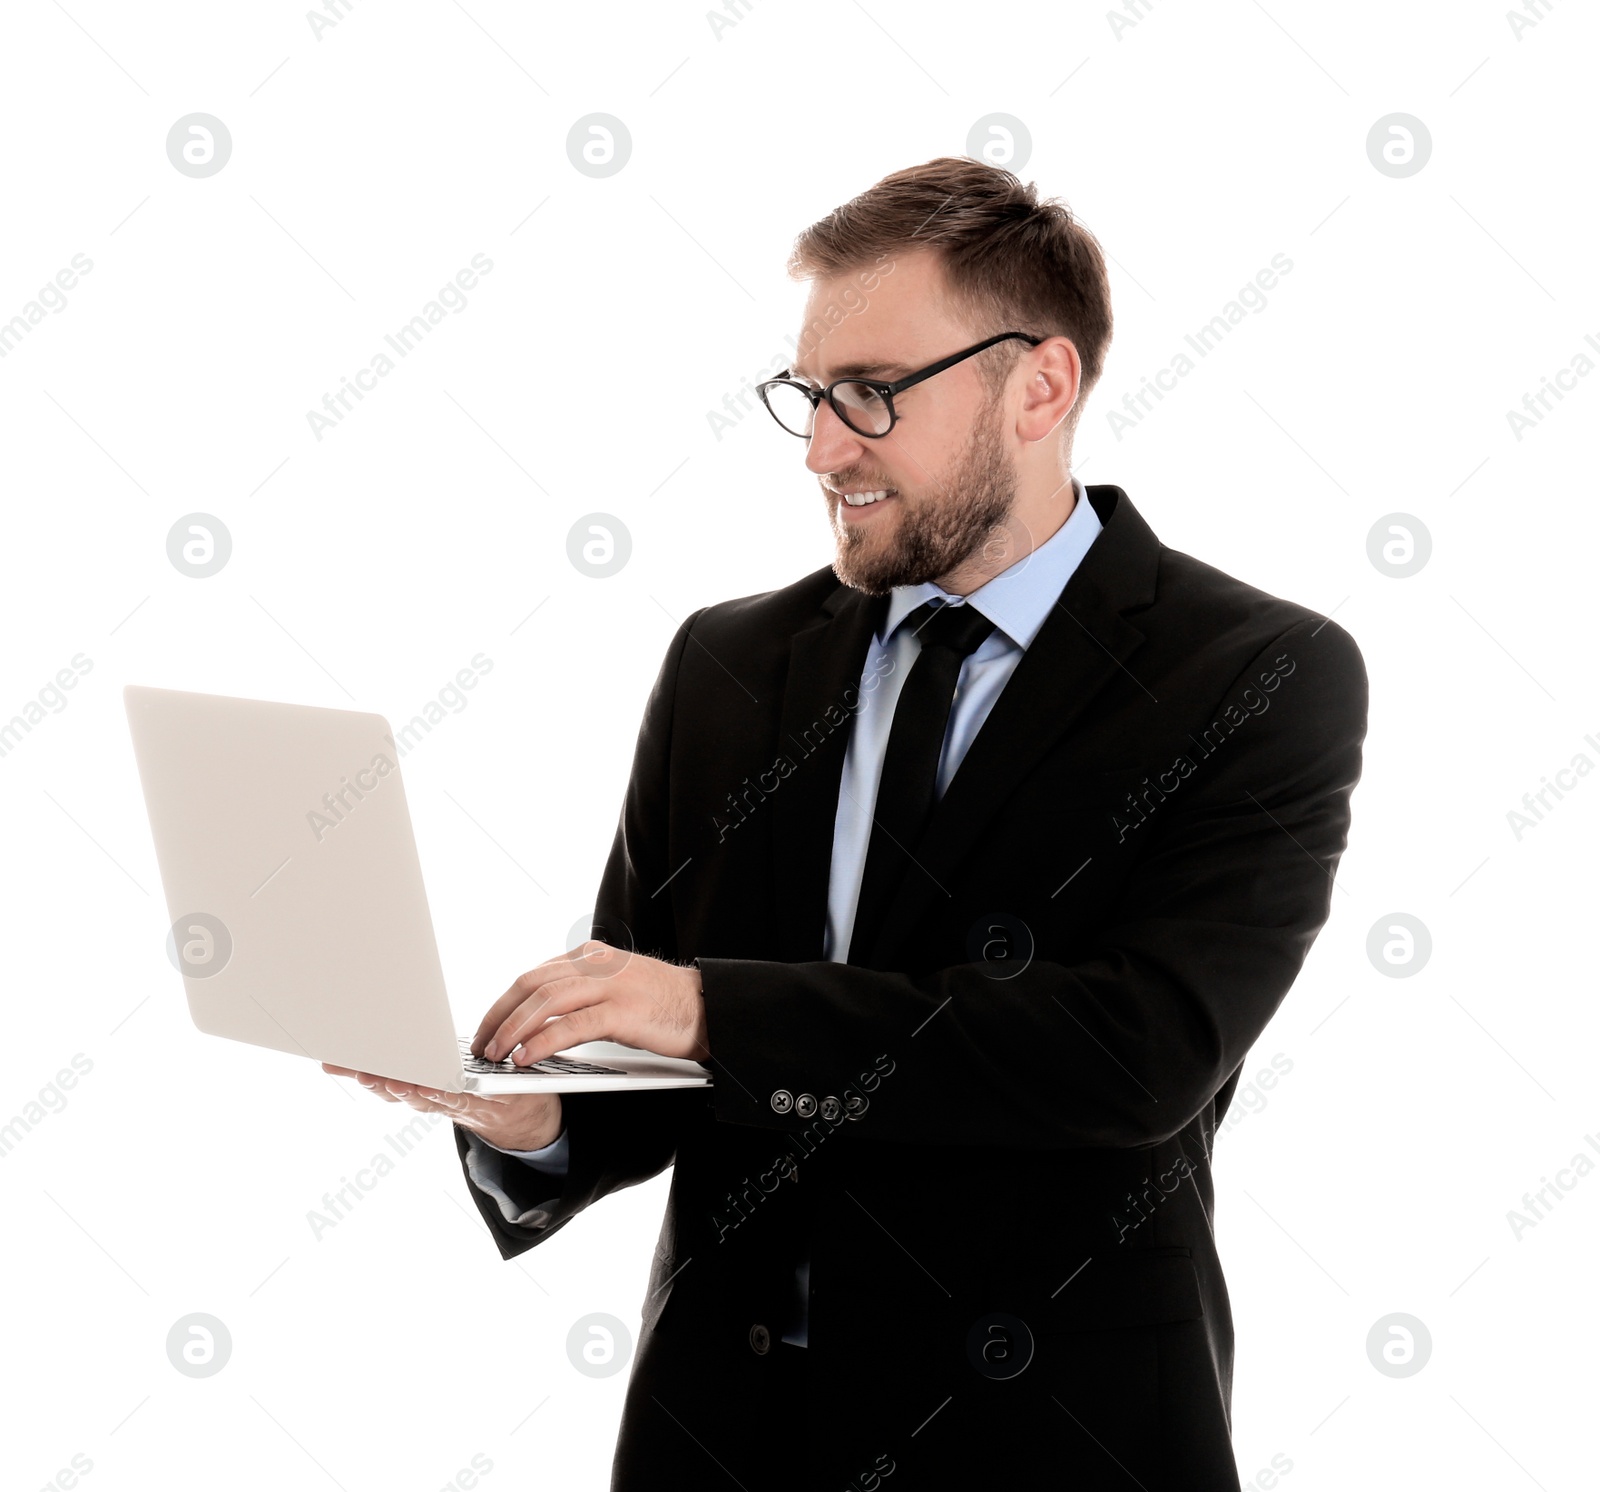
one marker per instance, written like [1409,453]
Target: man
[973,908]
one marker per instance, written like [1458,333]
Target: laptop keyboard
[554,1066]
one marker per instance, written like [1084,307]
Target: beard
[938,529]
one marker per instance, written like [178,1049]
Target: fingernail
[491,1052]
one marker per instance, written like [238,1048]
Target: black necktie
[909,780]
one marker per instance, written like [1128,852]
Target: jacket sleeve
[1122,1046]
[614,1139]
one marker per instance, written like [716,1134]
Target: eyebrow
[859,370]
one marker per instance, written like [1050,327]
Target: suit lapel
[1080,648]
[826,661]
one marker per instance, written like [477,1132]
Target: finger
[522,987]
[586,1023]
[559,998]
[365,1079]
[413,1097]
[453,1103]
[372,1080]
[398,1089]
[461,1108]
[528,1015]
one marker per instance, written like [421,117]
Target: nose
[833,446]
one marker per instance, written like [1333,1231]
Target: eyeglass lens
[861,407]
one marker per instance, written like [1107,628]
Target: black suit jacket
[993,1137]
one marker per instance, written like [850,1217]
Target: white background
[367,168]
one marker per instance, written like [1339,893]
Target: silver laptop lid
[292,880]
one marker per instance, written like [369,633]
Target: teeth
[861,499]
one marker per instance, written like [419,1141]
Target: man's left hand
[595,992]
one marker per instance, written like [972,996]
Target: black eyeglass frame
[885,391]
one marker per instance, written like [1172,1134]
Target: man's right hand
[510,1121]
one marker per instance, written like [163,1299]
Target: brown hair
[1012,262]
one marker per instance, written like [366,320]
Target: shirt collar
[1018,599]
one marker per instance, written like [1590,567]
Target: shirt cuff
[551,1158]
[486,1170]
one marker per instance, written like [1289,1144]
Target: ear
[1054,375]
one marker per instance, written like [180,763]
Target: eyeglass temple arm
[953,359]
[787,375]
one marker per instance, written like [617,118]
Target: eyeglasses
[865,405]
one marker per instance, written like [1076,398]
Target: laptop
[295,898]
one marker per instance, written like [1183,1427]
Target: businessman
[972,865]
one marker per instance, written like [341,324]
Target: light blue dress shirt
[1017,601]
